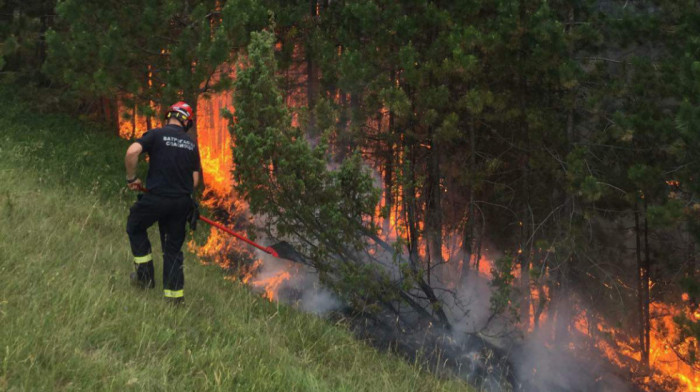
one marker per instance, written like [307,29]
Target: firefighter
[173,173]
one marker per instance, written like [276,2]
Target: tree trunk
[559,300]
[523,254]
[524,249]
[409,201]
[691,259]
[133,122]
[433,208]
[388,176]
[470,224]
[646,286]
[642,304]
[110,113]
[390,159]
[312,79]
[524,261]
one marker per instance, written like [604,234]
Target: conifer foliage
[148,52]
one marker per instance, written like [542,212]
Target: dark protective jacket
[173,157]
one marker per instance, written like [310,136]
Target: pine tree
[326,214]
[149,52]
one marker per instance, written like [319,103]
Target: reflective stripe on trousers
[174,293]
[143,259]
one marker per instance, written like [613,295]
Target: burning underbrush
[495,352]
[441,313]
[586,353]
[476,347]
[274,278]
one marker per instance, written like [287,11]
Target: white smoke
[544,363]
[302,289]
[540,362]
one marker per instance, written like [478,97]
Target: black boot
[144,276]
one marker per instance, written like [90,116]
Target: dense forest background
[557,141]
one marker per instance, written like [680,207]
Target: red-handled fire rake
[223,228]
[281,250]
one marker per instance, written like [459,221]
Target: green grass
[70,321]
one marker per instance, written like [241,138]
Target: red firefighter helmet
[182,112]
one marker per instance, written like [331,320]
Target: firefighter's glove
[193,216]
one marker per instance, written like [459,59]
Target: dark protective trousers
[171,215]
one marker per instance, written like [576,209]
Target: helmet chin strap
[187,125]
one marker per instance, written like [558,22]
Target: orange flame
[666,348]
[272,284]
[132,125]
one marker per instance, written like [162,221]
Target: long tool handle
[223,228]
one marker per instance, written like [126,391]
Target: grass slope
[70,321]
